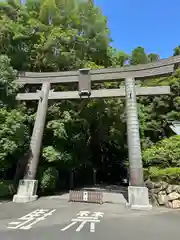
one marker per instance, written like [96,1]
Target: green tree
[153,57]
[8,88]
[53,35]
[163,154]
[176,51]
[138,56]
[117,58]
[64,35]
[13,131]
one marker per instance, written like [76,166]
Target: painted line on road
[21,224]
[83,218]
[70,225]
[81,226]
[27,227]
[92,227]
[31,219]
[14,223]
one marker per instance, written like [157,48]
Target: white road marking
[70,225]
[87,220]
[98,214]
[14,223]
[31,219]
[50,213]
[81,226]
[21,224]
[92,227]
[27,227]
[84,217]
[83,213]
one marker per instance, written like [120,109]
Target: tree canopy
[59,35]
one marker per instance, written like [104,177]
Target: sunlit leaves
[138,56]
[163,154]
[13,133]
[58,129]
[8,88]
[52,155]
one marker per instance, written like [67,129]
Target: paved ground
[111,193]
[52,219]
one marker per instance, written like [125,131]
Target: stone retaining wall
[164,194]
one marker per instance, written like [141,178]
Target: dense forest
[80,136]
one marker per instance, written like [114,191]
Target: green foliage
[13,135]
[53,35]
[177,51]
[163,154]
[8,88]
[153,57]
[48,180]
[13,131]
[6,189]
[138,56]
[67,35]
[117,58]
[52,155]
[169,175]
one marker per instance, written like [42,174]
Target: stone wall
[164,194]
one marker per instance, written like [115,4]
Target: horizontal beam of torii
[142,71]
[137,192]
[101,93]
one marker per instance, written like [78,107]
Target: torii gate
[137,192]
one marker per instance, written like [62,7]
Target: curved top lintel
[160,67]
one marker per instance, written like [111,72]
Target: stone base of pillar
[26,191]
[138,198]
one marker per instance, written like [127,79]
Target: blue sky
[152,24]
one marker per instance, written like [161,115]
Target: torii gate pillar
[137,193]
[28,186]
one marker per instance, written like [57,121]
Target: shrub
[169,175]
[6,189]
[146,173]
[164,154]
[48,180]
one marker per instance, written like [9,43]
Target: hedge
[169,175]
[164,154]
[48,180]
[6,189]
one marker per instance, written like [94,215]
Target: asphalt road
[52,219]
